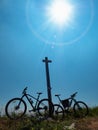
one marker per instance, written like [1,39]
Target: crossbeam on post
[48,82]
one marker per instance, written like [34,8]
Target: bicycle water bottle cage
[65,103]
[31,101]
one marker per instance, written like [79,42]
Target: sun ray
[60,12]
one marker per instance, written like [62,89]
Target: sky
[29,33]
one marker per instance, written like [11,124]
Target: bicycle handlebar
[24,91]
[74,94]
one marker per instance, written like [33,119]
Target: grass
[88,123]
[93,111]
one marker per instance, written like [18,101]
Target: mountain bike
[17,107]
[70,104]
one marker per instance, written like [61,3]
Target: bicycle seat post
[38,95]
[58,96]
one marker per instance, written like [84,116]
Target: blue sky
[25,40]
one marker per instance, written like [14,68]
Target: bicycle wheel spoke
[58,112]
[15,108]
[43,108]
[81,109]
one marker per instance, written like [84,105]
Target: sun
[60,12]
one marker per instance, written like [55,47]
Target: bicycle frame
[29,99]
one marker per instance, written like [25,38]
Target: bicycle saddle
[39,93]
[57,94]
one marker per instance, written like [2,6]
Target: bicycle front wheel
[15,108]
[58,112]
[45,108]
[80,109]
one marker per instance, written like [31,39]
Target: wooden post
[48,83]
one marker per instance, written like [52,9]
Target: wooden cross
[48,82]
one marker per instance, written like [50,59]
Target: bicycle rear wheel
[58,112]
[80,109]
[15,108]
[44,109]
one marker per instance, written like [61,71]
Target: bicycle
[17,107]
[79,108]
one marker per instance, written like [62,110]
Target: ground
[88,123]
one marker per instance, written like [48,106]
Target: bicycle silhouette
[69,105]
[17,107]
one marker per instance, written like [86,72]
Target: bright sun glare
[60,12]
